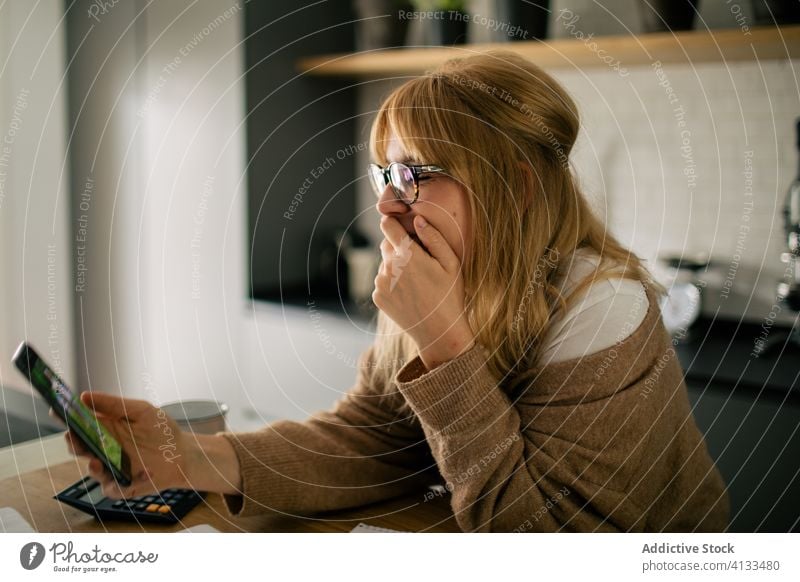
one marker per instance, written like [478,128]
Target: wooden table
[32,495]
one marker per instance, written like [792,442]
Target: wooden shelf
[725,45]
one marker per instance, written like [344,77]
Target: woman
[521,357]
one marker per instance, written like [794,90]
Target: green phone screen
[69,403]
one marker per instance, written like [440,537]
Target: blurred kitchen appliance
[683,303]
[789,286]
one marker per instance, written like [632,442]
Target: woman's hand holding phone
[162,456]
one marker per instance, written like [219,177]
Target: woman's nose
[389,205]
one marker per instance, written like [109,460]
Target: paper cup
[198,416]
[362,266]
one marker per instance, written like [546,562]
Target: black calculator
[167,506]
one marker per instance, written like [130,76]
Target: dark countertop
[722,350]
[24,416]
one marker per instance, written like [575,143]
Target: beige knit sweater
[605,442]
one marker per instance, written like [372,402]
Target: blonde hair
[504,129]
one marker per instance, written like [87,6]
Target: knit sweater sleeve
[500,480]
[362,451]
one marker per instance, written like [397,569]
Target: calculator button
[172,502]
[118,503]
[149,499]
[152,507]
[164,509]
[166,494]
[140,505]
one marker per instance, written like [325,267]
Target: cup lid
[195,410]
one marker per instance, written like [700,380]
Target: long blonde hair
[504,129]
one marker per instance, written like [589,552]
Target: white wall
[739,118]
[205,340]
[162,134]
[35,248]
[106,181]
[299,359]
[190,103]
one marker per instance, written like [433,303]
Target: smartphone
[81,421]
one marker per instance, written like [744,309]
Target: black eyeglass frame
[416,172]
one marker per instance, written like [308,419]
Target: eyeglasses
[404,179]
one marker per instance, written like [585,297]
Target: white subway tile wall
[695,159]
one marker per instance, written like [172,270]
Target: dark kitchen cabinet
[754,437]
[300,149]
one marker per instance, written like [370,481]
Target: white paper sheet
[12,522]
[366,528]
[201,528]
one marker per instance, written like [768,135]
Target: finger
[141,485]
[436,244]
[112,490]
[387,250]
[98,472]
[114,407]
[75,446]
[393,231]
